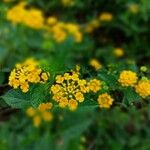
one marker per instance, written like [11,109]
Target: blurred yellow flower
[52,20]
[34,19]
[118,52]
[95,64]
[42,113]
[30,17]
[143,88]
[106,16]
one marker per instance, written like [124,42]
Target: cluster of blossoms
[129,78]
[40,113]
[30,17]
[69,89]
[61,30]
[25,73]
[34,18]
[143,88]
[105,100]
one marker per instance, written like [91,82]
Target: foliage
[92,64]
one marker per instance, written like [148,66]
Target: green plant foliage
[90,87]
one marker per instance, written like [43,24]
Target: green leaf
[16,99]
[37,94]
[131,96]
[110,79]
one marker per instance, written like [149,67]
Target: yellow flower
[72,105]
[17,13]
[69,89]
[118,52]
[52,20]
[59,79]
[37,121]
[25,73]
[45,76]
[42,113]
[105,100]
[143,88]
[58,33]
[96,64]
[79,96]
[94,85]
[24,87]
[30,17]
[44,106]
[74,30]
[128,78]
[34,19]
[47,116]
[30,112]
[106,16]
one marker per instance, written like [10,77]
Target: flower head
[143,88]
[95,64]
[105,100]
[25,73]
[128,78]
[94,85]
[69,90]
[42,113]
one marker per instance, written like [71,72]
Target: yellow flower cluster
[128,78]
[40,113]
[69,89]
[95,64]
[143,88]
[30,17]
[34,18]
[61,30]
[25,73]
[105,100]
